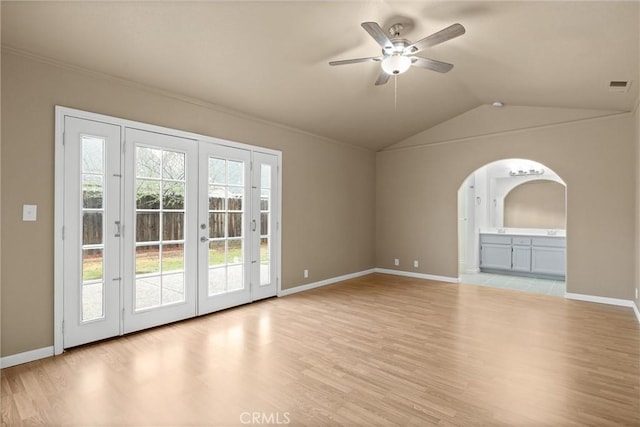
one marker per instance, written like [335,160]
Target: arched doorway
[512,227]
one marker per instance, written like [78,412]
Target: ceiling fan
[398,54]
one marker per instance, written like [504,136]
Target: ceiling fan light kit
[396,64]
[398,53]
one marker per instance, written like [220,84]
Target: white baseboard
[418,275]
[27,356]
[325,282]
[604,300]
[601,300]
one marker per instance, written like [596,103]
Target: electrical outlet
[396,262]
[305,273]
[416,264]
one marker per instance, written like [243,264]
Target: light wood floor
[378,350]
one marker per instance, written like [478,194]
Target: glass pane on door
[265,229]
[93,176]
[226,225]
[160,227]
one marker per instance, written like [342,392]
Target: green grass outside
[171,261]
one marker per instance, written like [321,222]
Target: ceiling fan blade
[378,35]
[431,64]
[356,60]
[383,78]
[448,33]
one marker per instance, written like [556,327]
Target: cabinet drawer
[518,240]
[495,239]
[553,242]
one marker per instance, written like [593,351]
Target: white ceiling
[269,59]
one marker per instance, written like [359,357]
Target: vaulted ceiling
[270,59]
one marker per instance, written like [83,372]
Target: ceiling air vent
[619,85]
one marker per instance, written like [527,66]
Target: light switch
[29,212]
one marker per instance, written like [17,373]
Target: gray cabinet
[521,253]
[521,258]
[536,256]
[495,256]
[495,252]
[548,256]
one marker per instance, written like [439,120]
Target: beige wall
[416,198]
[637,256]
[328,188]
[535,204]
[0,190]
[637,147]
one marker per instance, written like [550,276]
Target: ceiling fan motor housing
[398,47]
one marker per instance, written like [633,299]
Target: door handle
[118,229]
[253,225]
[204,239]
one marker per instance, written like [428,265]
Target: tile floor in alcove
[525,284]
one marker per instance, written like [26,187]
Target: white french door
[161,208]
[158,227]
[224,223]
[91,234]
[238,223]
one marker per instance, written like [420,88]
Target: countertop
[525,232]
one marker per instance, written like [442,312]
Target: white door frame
[60,114]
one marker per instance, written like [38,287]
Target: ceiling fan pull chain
[395,92]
